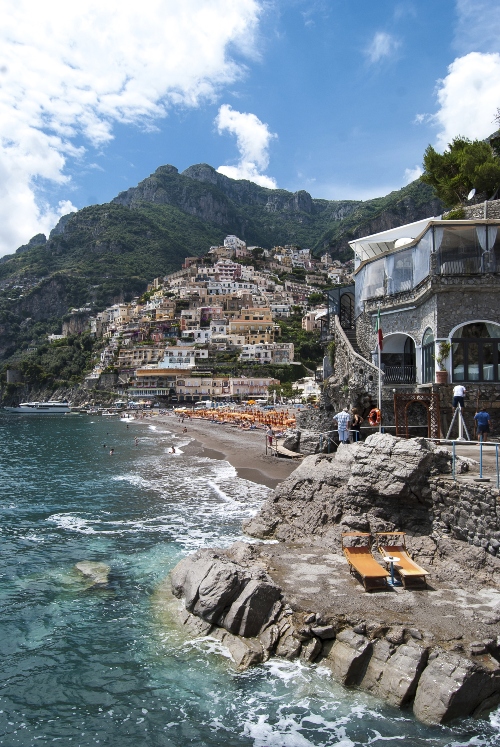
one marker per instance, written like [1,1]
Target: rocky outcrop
[223,592]
[381,484]
[229,596]
[294,599]
[452,687]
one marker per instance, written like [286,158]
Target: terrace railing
[400,374]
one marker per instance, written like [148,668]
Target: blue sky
[339,98]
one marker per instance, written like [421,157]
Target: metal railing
[400,374]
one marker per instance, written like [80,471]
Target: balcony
[400,374]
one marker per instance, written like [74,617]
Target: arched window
[475,352]
[428,357]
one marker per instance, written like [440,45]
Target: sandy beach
[245,450]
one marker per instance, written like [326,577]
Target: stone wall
[462,299]
[477,212]
[354,382]
[478,395]
[440,303]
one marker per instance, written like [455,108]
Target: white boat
[41,408]
[127,417]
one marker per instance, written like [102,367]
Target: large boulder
[383,482]
[452,686]
[223,592]
[349,657]
[401,674]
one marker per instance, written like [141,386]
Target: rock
[96,572]
[349,656]
[259,527]
[310,618]
[361,628]
[415,633]
[288,647]
[401,674]
[325,632]
[311,650]
[302,634]
[220,585]
[381,653]
[194,625]
[244,652]
[309,442]
[451,687]
[292,441]
[188,574]
[250,609]
[395,635]
[269,638]
[225,593]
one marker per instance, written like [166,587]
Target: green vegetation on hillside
[56,364]
[307,348]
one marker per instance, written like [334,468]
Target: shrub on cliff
[466,164]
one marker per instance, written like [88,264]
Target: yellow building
[255,325]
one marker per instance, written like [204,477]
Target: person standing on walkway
[343,422]
[356,421]
[483,422]
[459,396]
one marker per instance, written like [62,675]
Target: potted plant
[441,358]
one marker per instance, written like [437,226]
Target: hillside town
[180,340]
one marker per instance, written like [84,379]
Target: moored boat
[52,407]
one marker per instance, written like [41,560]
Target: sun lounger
[393,543]
[362,562]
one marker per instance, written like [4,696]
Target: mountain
[106,253]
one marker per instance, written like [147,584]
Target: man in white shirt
[343,421]
[459,396]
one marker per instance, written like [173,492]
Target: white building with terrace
[435,284]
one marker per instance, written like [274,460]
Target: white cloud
[253,138]
[468,98]
[382,45]
[71,70]
[412,174]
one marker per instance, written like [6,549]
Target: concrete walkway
[472,451]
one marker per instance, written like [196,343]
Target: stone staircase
[351,336]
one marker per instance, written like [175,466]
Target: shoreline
[244,450]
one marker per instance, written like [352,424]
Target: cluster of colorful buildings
[221,307]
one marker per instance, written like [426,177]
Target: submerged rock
[98,573]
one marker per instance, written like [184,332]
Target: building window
[428,357]
[476,352]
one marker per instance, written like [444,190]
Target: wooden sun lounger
[394,544]
[362,562]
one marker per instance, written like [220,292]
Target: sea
[86,666]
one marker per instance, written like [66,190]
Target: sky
[338,97]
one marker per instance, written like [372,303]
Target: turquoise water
[83,666]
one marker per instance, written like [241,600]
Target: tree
[315,298]
[466,164]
